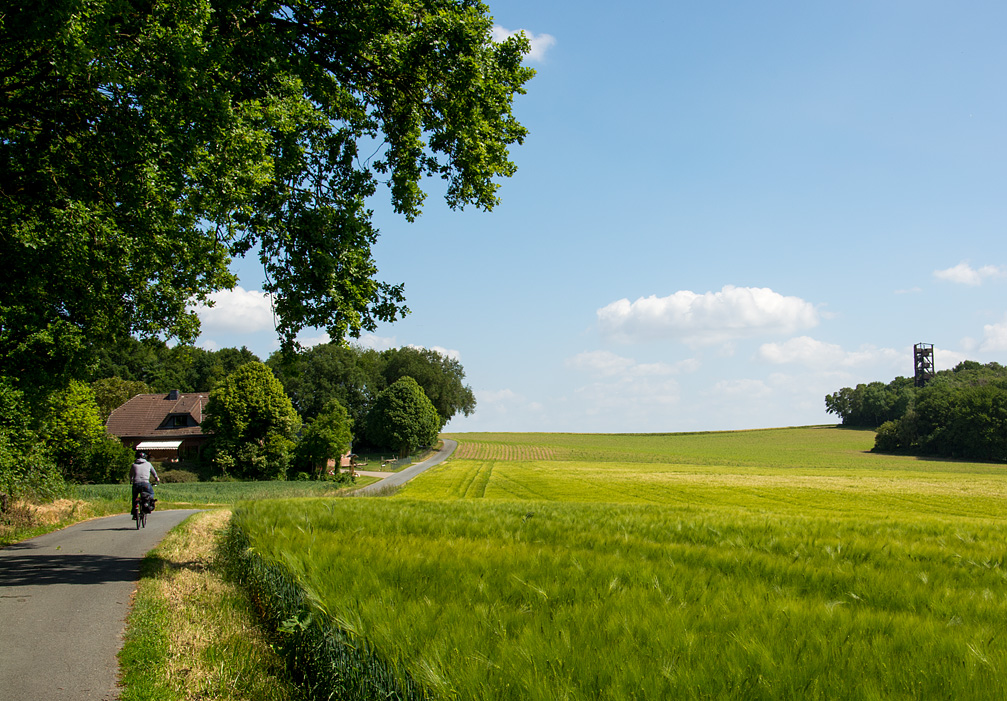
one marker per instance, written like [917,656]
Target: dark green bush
[177,476]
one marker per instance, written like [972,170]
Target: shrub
[177,476]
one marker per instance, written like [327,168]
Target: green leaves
[144,145]
[403,418]
[253,424]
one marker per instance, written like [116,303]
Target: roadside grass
[25,519]
[191,633]
[791,565]
[210,494]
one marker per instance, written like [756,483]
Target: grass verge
[191,633]
[25,519]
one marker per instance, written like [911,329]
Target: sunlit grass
[827,572]
[195,494]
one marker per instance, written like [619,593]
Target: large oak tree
[144,143]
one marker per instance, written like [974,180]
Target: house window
[178,420]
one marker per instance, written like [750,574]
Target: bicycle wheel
[136,518]
[143,518]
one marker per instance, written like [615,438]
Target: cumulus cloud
[236,310]
[994,338]
[372,341]
[540,43]
[808,351]
[713,317]
[965,274]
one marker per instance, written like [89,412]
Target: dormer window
[177,421]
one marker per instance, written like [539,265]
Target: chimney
[173,395]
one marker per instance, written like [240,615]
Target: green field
[200,494]
[784,564]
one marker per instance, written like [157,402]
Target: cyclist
[140,474]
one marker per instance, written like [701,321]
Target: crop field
[788,564]
[186,494]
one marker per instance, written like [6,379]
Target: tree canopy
[152,362]
[355,377]
[440,376]
[144,143]
[402,418]
[960,413]
[253,424]
[326,437]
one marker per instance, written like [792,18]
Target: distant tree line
[960,413]
[271,420]
[295,411]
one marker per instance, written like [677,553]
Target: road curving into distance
[64,597]
[401,477]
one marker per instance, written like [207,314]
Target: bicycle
[142,505]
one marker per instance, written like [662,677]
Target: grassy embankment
[191,633]
[769,564]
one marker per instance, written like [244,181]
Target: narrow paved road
[399,478]
[64,597]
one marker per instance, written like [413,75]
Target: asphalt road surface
[401,477]
[64,597]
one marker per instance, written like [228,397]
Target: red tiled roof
[147,416]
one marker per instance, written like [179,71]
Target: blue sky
[723,212]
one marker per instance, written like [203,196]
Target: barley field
[786,564]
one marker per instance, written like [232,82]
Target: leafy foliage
[870,405]
[440,377]
[326,437]
[26,467]
[112,392]
[181,367]
[253,424]
[960,413]
[330,371]
[73,429]
[356,376]
[402,418]
[142,145]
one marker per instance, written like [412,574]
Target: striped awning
[158,445]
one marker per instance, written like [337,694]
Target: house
[166,426]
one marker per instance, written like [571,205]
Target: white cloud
[373,342]
[453,354]
[501,396]
[624,393]
[237,310]
[496,410]
[994,338]
[808,351]
[747,389]
[600,363]
[312,341]
[713,317]
[540,43]
[965,274]
[608,364]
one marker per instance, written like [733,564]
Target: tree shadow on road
[36,569]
